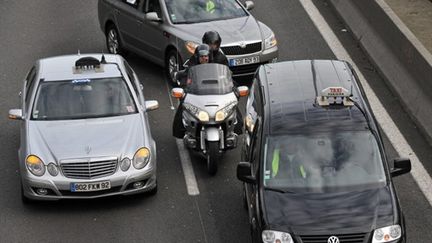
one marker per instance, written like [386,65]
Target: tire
[213,156]
[173,63]
[113,42]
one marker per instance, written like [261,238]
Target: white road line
[191,183]
[396,138]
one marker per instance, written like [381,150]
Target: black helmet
[202,50]
[212,37]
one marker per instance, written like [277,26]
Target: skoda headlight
[225,112]
[271,236]
[35,165]
[141,158]
[200,114]
[191,46]
[270,41]
[387,234]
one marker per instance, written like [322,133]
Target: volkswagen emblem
[333,239]
[242,45]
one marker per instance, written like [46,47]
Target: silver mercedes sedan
[167,32]
[84,130]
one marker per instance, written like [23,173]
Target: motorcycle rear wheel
[213,156]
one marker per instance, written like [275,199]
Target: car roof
[292,88]
[63,67]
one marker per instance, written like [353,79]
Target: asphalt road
[35,29]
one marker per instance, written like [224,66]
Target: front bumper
[59,188]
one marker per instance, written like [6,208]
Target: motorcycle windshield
[209,79]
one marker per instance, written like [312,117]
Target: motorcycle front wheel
[213,156]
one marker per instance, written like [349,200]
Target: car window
[133,3]
[30,81]
[83,98]
[153,6]
[323,162]
[193,11]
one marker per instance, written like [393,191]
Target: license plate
[89,187]
[243,61]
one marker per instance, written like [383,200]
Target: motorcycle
[209,101]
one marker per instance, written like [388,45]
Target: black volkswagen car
[313,163]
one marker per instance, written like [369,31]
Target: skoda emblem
[333,239]
[242,45]
[87,149]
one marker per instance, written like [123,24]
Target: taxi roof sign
[87,63]
[331,95]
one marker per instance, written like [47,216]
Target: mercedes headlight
[387,234]
[52,169]
[270,41]
[200,114]
[271,236]
[225,112]
[35,165]
[125,164]
[141,158]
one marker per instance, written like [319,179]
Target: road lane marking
[191,183]
[419,173]
[188,172]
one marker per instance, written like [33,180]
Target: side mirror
[177,93]
[151,105]
[15,114]
[244,172]
[243,91]
[401,166]
[152,16]
[249,5]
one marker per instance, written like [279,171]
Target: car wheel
[113,41]
[173,63]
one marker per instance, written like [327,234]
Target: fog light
[138,184]
[42,191]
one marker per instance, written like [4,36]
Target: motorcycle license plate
[243,61]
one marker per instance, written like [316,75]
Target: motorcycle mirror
[243,91]
[177,93]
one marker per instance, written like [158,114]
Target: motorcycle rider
[202,55]
[213,39]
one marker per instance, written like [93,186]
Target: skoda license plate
[89,187]
[243,61]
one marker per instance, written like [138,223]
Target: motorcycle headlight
[125,164]
[191,46]
[270,41]
[387,234]
[35,165]
[271,236]
[225,112]
[200,114]
[141,158]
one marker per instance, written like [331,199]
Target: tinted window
[323,162]
[154,6]
[192,11]
[77,99]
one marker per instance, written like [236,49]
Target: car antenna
[79,54]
